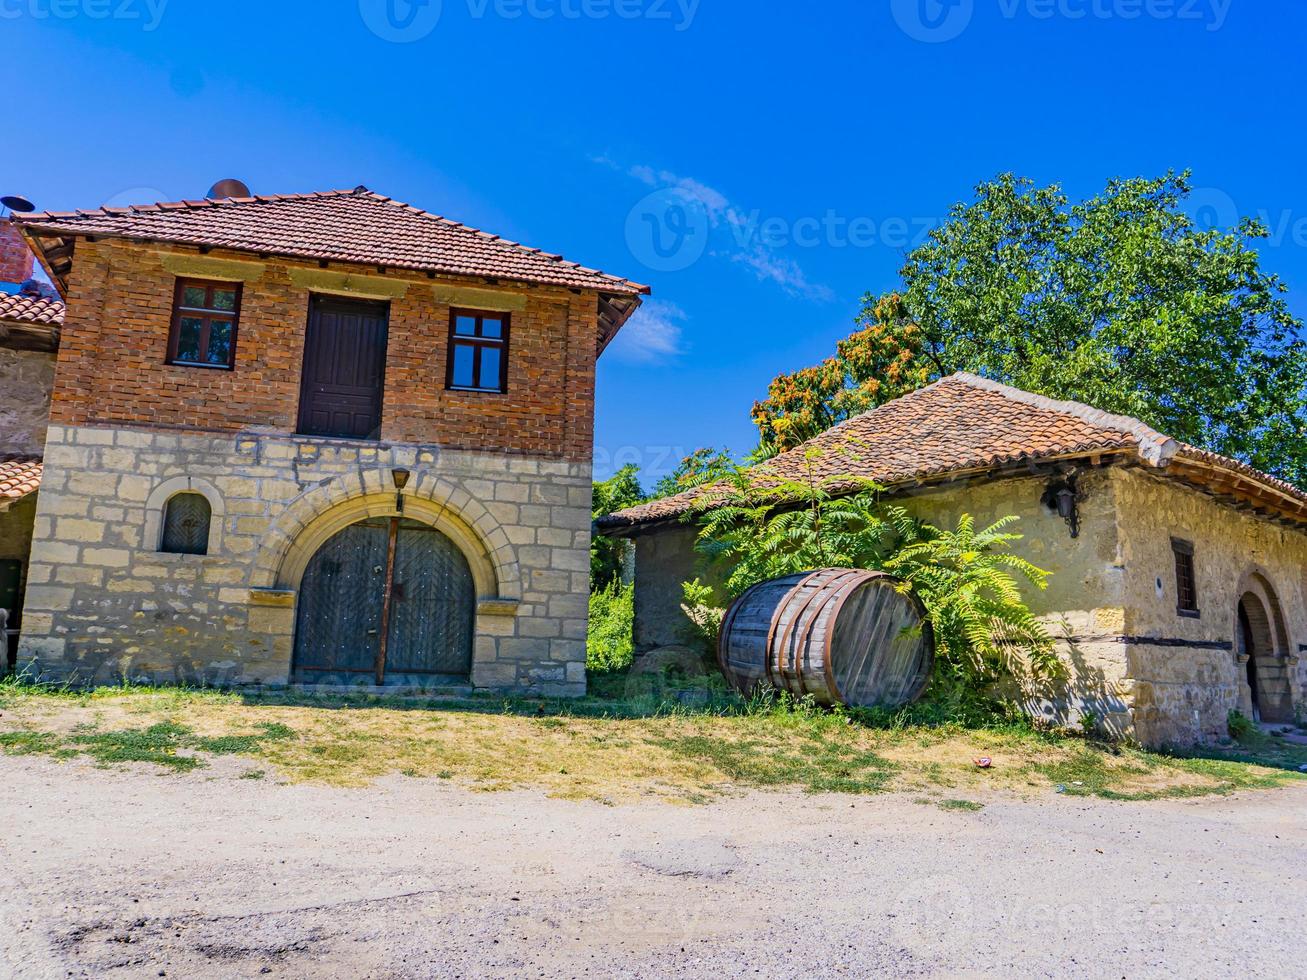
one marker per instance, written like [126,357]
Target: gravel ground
[131,873]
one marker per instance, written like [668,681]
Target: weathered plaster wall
[663,561]
[1082,603]
[102,603]
[26,378]
[1183,693]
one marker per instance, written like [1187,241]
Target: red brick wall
[16,259]
[112,361]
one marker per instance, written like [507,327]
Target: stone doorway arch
[1262,647]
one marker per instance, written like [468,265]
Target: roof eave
[36,232]
[1025,467]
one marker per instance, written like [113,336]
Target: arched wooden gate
[388,597]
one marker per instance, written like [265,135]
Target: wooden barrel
[843,635]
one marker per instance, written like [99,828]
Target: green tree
[698,468]
[1120,301]
[619,491]
[881,360]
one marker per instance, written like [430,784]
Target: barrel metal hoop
[852,582]
[820,578]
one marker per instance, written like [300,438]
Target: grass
[686,742]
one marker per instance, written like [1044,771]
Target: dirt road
[129,873]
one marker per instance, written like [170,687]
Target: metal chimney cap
[228,187]
[20,204]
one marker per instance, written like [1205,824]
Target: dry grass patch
[592,749]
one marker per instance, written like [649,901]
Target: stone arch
[326,508]
[157,503]
[1261,644]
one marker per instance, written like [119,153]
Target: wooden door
[338,628]
[344,368]
[433,605]
[345,609]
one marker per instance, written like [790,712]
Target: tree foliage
[879,361]
[619,491]
[755,526]
[700,467]
[609,644]
[1120,301]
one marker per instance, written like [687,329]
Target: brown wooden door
[344,368]
[344,608]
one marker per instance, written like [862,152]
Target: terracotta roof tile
[19,476]
[958,424]
[356,226]
[16,308]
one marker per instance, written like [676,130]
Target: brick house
[1179,585]
[323,438]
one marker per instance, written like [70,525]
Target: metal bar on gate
[386,599]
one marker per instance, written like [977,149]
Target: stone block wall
[1186,684]
[103,603]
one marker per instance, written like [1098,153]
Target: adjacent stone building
[1179,585]
[30,318]
[324,438]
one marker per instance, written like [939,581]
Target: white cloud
[651,336]
[741,245]
[770,267]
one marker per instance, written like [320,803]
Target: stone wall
[1185,687]
[26,378]
[113,354]
[103,603]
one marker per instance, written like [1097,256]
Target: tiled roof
[962,423]
[355,226]
[19,476]
[16,308]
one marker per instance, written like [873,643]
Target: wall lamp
[401,481]
[1063,497]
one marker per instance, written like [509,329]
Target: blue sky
[814,144]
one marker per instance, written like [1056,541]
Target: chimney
[16,259]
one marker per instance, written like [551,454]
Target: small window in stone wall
[186,522]
[1186,587]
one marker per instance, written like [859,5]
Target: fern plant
[970,584]
[756,525]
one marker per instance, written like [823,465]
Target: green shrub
[1240,725]
[703,617]
[609,644]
